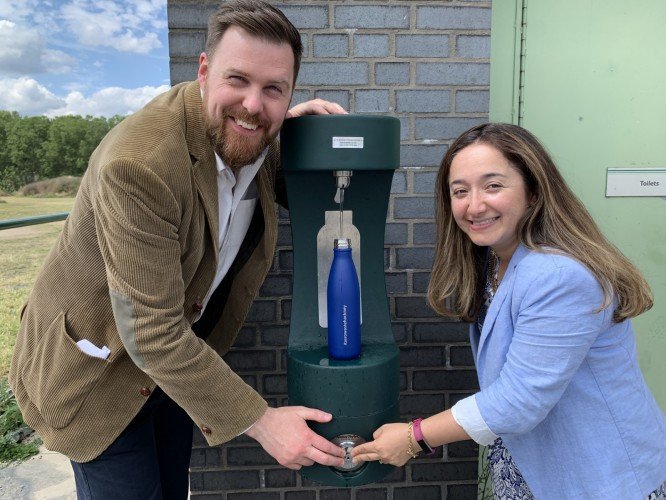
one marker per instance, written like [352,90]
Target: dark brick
[300,495]
[461,356]
[403,381]
[230,480]
[198,458]
[462,491]
[335,494]
[399,182]
[445,380]
[414,258]
[246,495]
[417,405]
[412,307]
[250,360]
[286,259]
[283,213]
[286,309]
[462,449]
[422,155]
[197,439]
[276,286]
[397,475]
[395,234]
[275,335]
[396,283]
[248,456]
[372,494]
[284,235]
[422,356]
[441,331]
[262,311]
[196,481]
[246,337]
[446,471]
[424,182]
[418,493]
[418,207]
[399,332]
[275,384]
[420,282]
[280,478]
[424,233]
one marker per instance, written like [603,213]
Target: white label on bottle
[347,142]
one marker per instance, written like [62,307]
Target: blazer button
[205,430]
[145,391]
[197,307]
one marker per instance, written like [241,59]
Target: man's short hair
[259,19]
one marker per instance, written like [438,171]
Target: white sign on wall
[636,182]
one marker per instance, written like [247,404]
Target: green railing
[29,221]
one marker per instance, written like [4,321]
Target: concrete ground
[46,476]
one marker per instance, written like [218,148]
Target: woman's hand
[390,446]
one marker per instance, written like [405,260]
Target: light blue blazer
[560,383]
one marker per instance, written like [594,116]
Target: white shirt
[237,198]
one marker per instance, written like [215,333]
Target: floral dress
[508,483]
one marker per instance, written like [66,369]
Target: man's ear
[203,70]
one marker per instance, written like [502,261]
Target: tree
[36,148]
[25,151]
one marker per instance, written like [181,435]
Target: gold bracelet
[410,448]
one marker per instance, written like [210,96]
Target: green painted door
[589,79]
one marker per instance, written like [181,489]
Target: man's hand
[316,107]
[285,435]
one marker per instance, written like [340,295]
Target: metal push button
[347,442]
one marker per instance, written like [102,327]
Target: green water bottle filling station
[338,171]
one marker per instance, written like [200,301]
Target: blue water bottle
[343,304]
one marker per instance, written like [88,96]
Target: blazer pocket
[59,376]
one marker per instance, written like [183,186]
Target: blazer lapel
[500,296]
[205,171]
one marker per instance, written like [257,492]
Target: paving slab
[46,476]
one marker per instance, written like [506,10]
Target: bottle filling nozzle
[342,179]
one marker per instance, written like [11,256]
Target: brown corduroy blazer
[137,255]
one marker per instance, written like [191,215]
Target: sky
[82,57]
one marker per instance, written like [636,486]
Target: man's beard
[236,150]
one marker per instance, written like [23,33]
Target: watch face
[347,442]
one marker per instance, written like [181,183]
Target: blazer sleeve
[557,319]
[137,217]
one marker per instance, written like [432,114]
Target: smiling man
[171,236]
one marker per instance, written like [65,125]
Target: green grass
[13,430]
[22,252]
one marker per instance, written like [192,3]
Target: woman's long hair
[556,221]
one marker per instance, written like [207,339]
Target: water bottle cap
[342,243]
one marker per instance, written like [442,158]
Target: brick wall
[426,62]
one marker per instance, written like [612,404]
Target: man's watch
[418,436]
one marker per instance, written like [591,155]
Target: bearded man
[172,233]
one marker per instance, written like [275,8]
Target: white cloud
[107,102]
[27,96]
[23,50]
[125,26]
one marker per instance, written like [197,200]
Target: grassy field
[22,251]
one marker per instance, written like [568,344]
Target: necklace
[493,271]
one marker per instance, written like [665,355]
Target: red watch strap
[418,436]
